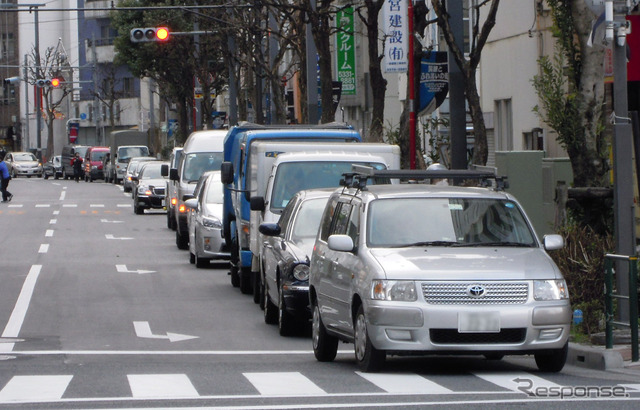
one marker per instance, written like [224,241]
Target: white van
[203,151]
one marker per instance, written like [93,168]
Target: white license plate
[475,322]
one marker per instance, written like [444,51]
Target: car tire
[325,346]
[192,258]
[235,278]
[286,322]
[369,358]
[139,210]
[270,310]
[552,361]
[256,286]
[182,241]
[168,219]
[45,176]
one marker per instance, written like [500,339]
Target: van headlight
[301,272]
[396,290]
[550,290]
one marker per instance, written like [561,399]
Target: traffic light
[140,35]
[43,82]
[55,82]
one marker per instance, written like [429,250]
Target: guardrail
[632,298]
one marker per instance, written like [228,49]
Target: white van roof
[205,141]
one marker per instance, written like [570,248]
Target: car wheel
[13,174]
[325,346]
[169,220]
[552,360]
[286,322]
[139,210]
[270,310]
[369,358]
[45,176]
[235,278]
[182,241]
[192,258]
[257,286]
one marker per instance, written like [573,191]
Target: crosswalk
[52,388]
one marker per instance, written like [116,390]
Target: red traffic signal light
[55,82]
[140,35]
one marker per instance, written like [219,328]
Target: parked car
[205,221]
[52,168]
[149,188]
[68,153]
[132,171]
[93,163]
[23,164]
[416,268]
[286,252]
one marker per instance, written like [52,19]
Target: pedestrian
[77,167]
[5,177]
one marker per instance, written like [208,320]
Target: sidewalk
[596,356]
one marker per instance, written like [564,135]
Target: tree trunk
[480,149]
[376,79]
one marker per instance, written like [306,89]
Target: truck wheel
[235,278]
[245,281]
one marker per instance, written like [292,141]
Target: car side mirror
[553,242]
[164,170]
[187,197]
[173,174]
[269,229]
[191,203]
[340,243]
[257,203]
[226,172]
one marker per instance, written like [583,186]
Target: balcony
[99,4]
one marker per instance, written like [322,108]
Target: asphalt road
[99,309]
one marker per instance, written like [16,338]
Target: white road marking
[96,206]
[44,248]
[35,388]
[12,329]
[144,330]
[15,206]
[631,386]
[123,269]
[53,221]
[516,381]
[124,205]
[404,383]
[56,212]
[49,233]
[43,205]
[161,385]
[70,205]
[63,194]
[110,236]
[279,383]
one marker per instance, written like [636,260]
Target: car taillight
[174,201]
[182,208]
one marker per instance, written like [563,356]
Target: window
[327,218]
[128,89]
[503,125]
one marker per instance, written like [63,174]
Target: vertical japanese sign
[346,51]
[396,42]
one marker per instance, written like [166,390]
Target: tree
[571,92]
[53,64]
[469,65]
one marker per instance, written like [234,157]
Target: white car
[205,221]
[23,164]
[418,268]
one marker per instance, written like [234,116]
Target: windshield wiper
[512,244]
[431,243]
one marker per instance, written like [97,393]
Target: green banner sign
[346,51]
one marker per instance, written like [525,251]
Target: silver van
[202,151]
[420,268]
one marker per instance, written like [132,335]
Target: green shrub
[582,264]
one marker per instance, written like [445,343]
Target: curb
[594,357]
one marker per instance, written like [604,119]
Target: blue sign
[434,81]
[83,116]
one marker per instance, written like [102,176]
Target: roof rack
[361,173]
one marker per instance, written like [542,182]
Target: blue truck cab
[236,174]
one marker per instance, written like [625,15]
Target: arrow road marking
[110,222]
[123,269]
[109,236]
[144,330]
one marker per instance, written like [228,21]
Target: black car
[285,260]
[52,168]
[149,188]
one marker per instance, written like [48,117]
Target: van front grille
[458,293]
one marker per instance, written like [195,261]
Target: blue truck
[236,177]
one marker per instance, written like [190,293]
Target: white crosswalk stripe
[279,383]
[516,381]
[161,385]
[35,388]
[404,383]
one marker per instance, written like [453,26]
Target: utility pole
[457,109]
[312,73]
[616,31]
[96,99]
[26,101]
